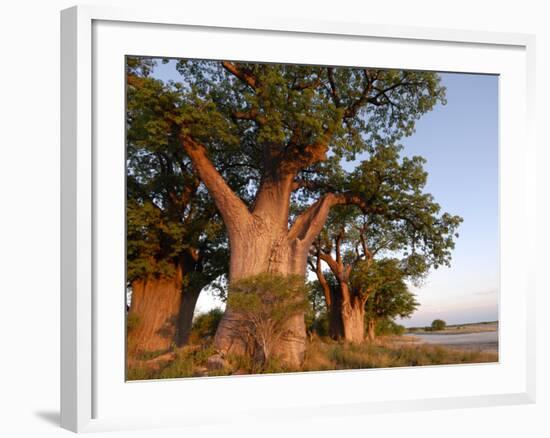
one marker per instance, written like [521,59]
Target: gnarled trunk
[264,247]
[155,307]
[260,240]
[346,315]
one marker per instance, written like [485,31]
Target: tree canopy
[171,219]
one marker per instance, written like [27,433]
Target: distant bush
[438,324]
[205,325]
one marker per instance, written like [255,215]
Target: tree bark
[260,240]
[347,318]
[353,319]
[264,247]
[155,306]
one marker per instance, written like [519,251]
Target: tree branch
[352,110]
[365,294]
[332,264]
[322,280]
[233,210]
[252,114]
[309,224]
[305,85]
[243,73]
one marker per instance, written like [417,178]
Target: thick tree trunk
[353,317]
[185,318]
[346,315]
[371,329]
[265,247]
[260,241]
[155,307]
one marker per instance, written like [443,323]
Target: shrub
[205,325]
[318,324]
[386,327]
[266,302]
[438,324]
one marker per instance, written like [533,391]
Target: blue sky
[460,143]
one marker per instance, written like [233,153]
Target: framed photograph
[281,218]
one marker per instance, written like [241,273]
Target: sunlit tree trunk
[263,244]
[261,241]
[154,313]
[346,306]
[353,317]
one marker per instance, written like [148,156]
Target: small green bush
[266,302]
[205,326]
[438,324]
[388,327]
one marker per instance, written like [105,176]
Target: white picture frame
[92,394]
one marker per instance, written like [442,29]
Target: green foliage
[318,324]
[188,363]
[316,297]
[377,276]
[391,298]
[399,216]
[357,105]
[274,117]
[266,302]
[171,222]
[317,315]
[386,327]
[205,326]
[438,324]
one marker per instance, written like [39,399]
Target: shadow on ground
[51,417]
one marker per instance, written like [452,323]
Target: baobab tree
[176,242]
[289,126]
[402,236]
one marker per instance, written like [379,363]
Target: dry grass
[385,353]
[321,355]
